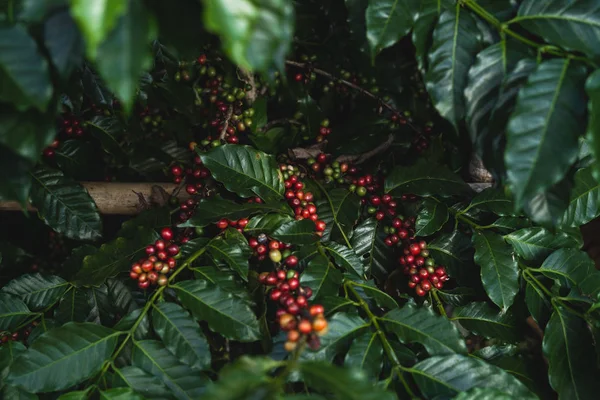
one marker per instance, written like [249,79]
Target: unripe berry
[305,327]
[275,255]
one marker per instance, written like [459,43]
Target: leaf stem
[555,300]
[438,302]
[387,347]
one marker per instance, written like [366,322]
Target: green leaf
[13,311]
[15,181]
[537,243]
[233,250]
[482,319]
[181,335]
[455,44]
[125,52]
[342,329]
[225,313]
[225,279]
[343,383]
[493,200]
[345,257]
[425,179]
[483,394]
[297,232]
[485,82]
[215,208]
[424,20]
[592,88]
[567,24]
[458,296]
[366,353]
[14,393]
[369,291]
[64,43]
[73,306]
[8,353]
[120,394]
[421,325]
[65,205]
[449,375]
[537,304]
[499,270]
[572,371]
[96,20]
[256,35]
[387,22]
[547,208]
[584,204]
[108,131]
[339,210]
[266,223]
[74,157]
[63,357]
[431,218]
[142,331]
[25,133]
[245,378]
[245,171]
[152,357]
[451,250]
[369,246]
[142,382]
[570,264]
[120,296]
[321,277]
[113,257]
[543,129]
[36,290]
[23,69]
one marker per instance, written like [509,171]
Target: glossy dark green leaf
[257,38]
[297,232]
[424,21]
[74,158]
[36,290]
[113,257]
[225,313]
[345,257]
[23,69]
[96,20]
[13,311]
[425,179]
[25,133]
[142,382]
[449,375]
[485,82]
[10,392]
[344,383]
[46,325]
[322,277]
[125,52]
[452,251]
[225,279]
[15,181]
[538,151]
[245,171]
[482,319]
[120,296]
[455,44]
[537,304]
[571,264]
[233,250]
[567,24]
[584,204]
[369,246]
[65,205]
[108,130]
[8,353]
[341,331]
[54,363]
[339,210]
[73,307]
[511,223]
[387,22]
[592,88]
[493,200]
[120,394]
[431,218]
[366,353]
[537,243]
[266,223]
[459,296]
[64,43]
[213,209]
[181,335]
[152,357]
[499,270]
[572,371]
[369,291]
[547,208]
[142,330]
[421,325]
[483,394]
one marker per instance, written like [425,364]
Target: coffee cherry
[275,255]
[415,249]
[290,346]
[361,191]
[293,335]
[291,261]
[261,249]
[305,327]
[320,226]
[316,309]
[166,233]
[173,249]
[319,324]
[222,224]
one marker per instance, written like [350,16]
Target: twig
[226,123]
[359,89]
[304,153]
[360,158]
[248,78]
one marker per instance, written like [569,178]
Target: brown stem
[354,86]
[248,77]
[360,158]
[226,123]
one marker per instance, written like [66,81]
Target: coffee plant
[317,227]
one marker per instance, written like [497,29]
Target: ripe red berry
[261,249]
[379,215]
[320,225]
[291,261]
[294,283]
[166,233]
[252,242]
[305,326]
[173,249]
[316,309]
[160,244]
[386,198]
[176,170]
[419,291]
[150,249]
[222,224]
[415,249]
[322,158]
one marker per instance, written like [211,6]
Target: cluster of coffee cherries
[324,131]
[193,175]
[421,141]
[13,337]
[159,263]
[300,201]
[382,206]
[238,224]
[420,267]
[294,314]
[365,184]
[186,209]
[152,119]
[71,126]
[232,118]
[331,172]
